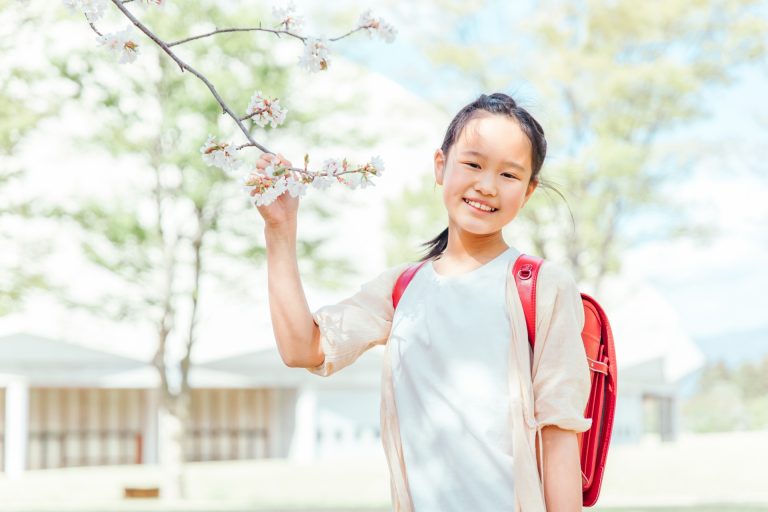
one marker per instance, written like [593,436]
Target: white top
[550,386]
[450,370]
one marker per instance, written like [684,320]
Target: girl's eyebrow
[508,163]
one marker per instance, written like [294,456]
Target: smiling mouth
[480,209]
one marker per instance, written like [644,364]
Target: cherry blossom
[323,182]
[376,26]
[288,19]
[315,57]
[332,166]
[121,44]
[219,154]
[375,166]
[93,9]
[355,180]
[266,111]
[265,189]
[297,188]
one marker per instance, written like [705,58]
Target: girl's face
[490,162]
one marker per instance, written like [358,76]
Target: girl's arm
[335,335]
[562,469]
[296,333]
[561,386]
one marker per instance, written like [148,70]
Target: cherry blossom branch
[276,178]
[184,66]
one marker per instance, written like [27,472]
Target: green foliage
[21,110]
[17,282]
[720,408]
[416,216]
[122,244]
[729,398]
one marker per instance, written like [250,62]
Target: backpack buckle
[526,271]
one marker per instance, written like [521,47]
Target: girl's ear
[528,193]
[439,166]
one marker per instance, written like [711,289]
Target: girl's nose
[486,185]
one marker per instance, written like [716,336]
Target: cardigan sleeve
[561,379]
[357,323]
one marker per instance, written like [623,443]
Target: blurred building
[655,355]
[63,404]
[66,405]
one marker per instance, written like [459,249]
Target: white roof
[266,368]
[42,361]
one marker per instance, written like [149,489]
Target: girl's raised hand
[285,208]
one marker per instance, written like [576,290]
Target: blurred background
[138,369]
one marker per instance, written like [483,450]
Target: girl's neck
[468,247]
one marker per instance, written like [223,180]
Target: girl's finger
[265,158]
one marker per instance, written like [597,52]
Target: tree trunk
[174,430]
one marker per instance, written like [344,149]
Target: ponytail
[437,245]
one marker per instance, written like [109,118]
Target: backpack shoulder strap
[526,271]
[403,280]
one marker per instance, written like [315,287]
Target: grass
[704,473]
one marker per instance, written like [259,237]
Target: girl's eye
[472,164]
[509,175]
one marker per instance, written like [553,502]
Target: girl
[471,420]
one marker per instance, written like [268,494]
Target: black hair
[501,104]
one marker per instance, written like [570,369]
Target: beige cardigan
[552,388]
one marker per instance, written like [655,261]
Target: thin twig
[333,39]
[303,39]
[223,30]
[244,118]
[94,27]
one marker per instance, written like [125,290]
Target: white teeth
[480,206]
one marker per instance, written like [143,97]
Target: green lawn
[707,469]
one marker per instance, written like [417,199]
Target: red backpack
[598,345]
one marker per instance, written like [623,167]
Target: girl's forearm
[296,333]
[562,470]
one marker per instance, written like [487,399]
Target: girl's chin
[478,227]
